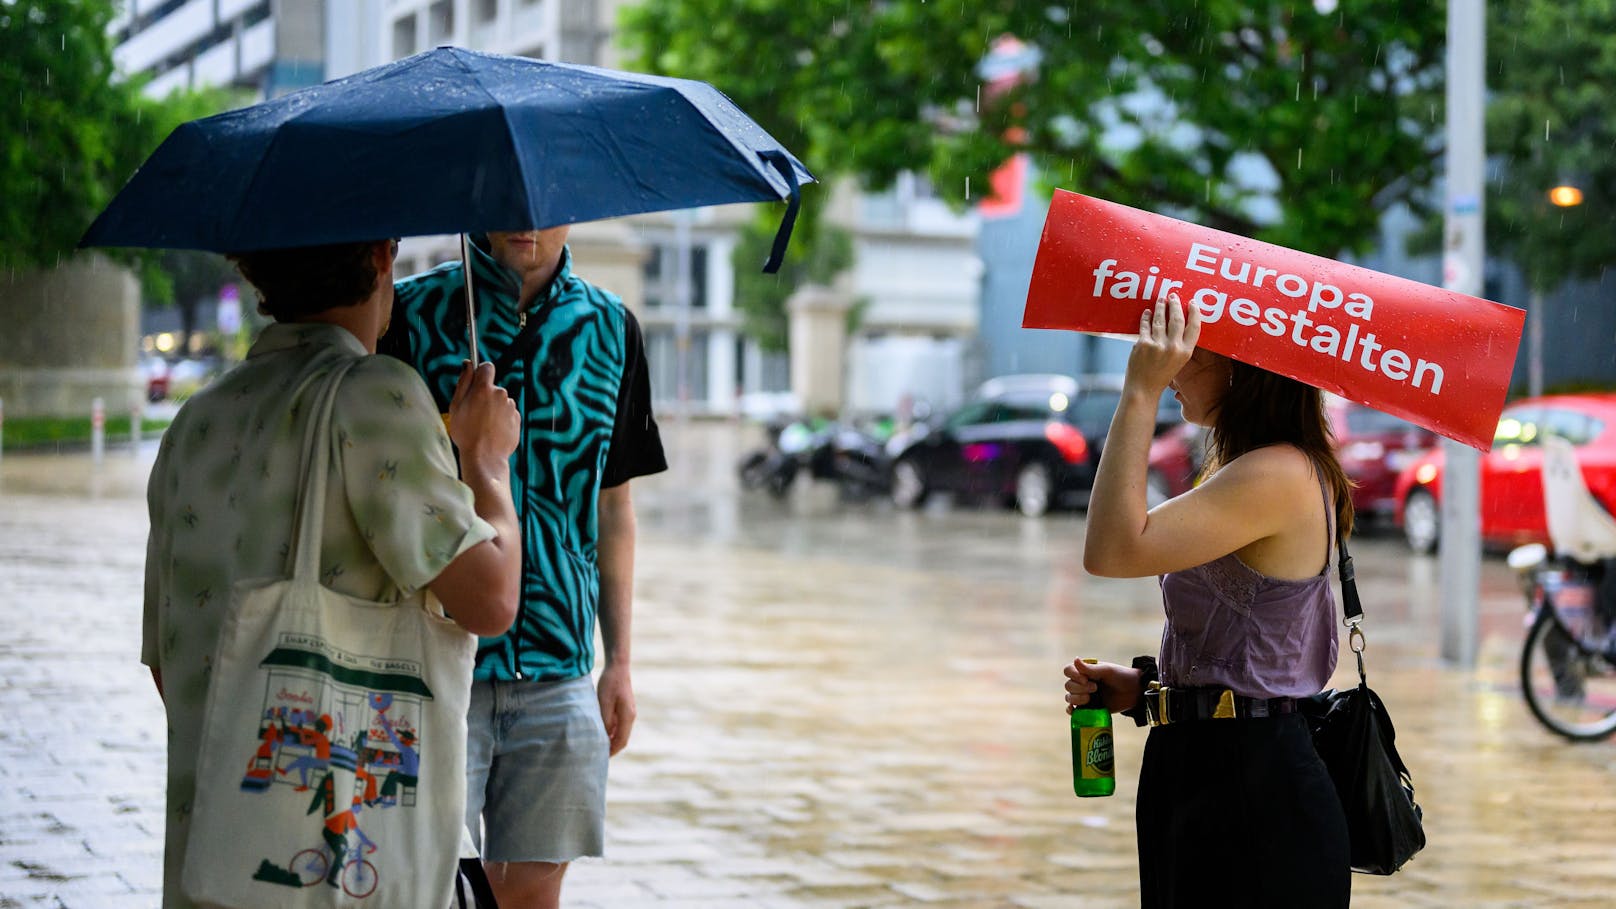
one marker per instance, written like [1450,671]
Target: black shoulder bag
[1354,736]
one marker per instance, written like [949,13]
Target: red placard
[1437,358]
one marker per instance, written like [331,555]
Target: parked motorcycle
[774,466]
[1568,665]
[852,457]
[855,459]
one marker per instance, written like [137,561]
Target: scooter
[774,467]
[1568,664]
[855,459]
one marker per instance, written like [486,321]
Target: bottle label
[1095,742]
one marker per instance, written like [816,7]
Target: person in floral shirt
[398,515]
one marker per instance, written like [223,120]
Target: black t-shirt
[636,446]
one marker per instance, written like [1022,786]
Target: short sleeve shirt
[221,499]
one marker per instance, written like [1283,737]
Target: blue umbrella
[449,141]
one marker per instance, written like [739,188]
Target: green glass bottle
[1093,767]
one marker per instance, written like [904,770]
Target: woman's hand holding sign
[1167,338]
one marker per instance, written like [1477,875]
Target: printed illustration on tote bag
[339,730]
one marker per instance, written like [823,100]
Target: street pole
[1460,550]
[1534,342]
[682,292]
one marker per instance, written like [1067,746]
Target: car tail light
[1068,441]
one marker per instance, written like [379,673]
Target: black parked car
[1030,441]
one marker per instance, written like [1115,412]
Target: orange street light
[1565,195]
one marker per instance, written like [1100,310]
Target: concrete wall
[818,333]
[69,336]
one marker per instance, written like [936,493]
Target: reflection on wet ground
[840,705]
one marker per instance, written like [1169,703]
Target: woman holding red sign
[1234,805]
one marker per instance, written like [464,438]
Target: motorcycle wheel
[754,470]
[1570,689]
[778,481]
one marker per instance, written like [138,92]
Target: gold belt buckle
[1160,691]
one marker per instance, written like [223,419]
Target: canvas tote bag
[332,769]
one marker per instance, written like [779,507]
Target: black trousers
[1240,813]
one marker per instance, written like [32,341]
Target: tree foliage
[1551,120]
[1270,119]
[73,131]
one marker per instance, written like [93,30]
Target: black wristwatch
[1147,673]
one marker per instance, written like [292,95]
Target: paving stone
[840,707]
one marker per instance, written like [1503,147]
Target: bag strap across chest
[308,521]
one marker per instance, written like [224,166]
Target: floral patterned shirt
[221,497]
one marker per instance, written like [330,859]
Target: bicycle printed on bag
[357,876]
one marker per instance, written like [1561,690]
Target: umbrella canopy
[448,141]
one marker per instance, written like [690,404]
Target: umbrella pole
[471,310]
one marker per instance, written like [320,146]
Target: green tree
[73,131]
[1269,118]
[195,279]
[1551,120]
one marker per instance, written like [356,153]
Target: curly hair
[298,282]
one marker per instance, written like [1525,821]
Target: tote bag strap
[308,522]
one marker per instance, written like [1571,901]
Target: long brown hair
[1262,408]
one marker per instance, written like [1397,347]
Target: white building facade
[269,47]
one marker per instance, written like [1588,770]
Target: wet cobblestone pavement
[840,706]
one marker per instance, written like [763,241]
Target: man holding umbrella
[572,358]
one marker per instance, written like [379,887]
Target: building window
[487,11]
[404,36]
[440,22]
[662,279]
[255,15]
[662,355]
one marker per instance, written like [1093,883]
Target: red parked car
[1512,473]
[1374,448]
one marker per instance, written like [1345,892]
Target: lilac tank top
[1231,626]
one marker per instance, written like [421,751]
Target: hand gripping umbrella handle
[782,236]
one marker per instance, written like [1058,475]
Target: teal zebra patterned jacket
[585,398]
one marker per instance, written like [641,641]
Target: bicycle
[1568,663]
[358,878]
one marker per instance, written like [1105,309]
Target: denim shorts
[536,760]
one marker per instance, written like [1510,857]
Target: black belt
[1180,705]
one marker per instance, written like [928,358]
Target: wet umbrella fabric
[448,141]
